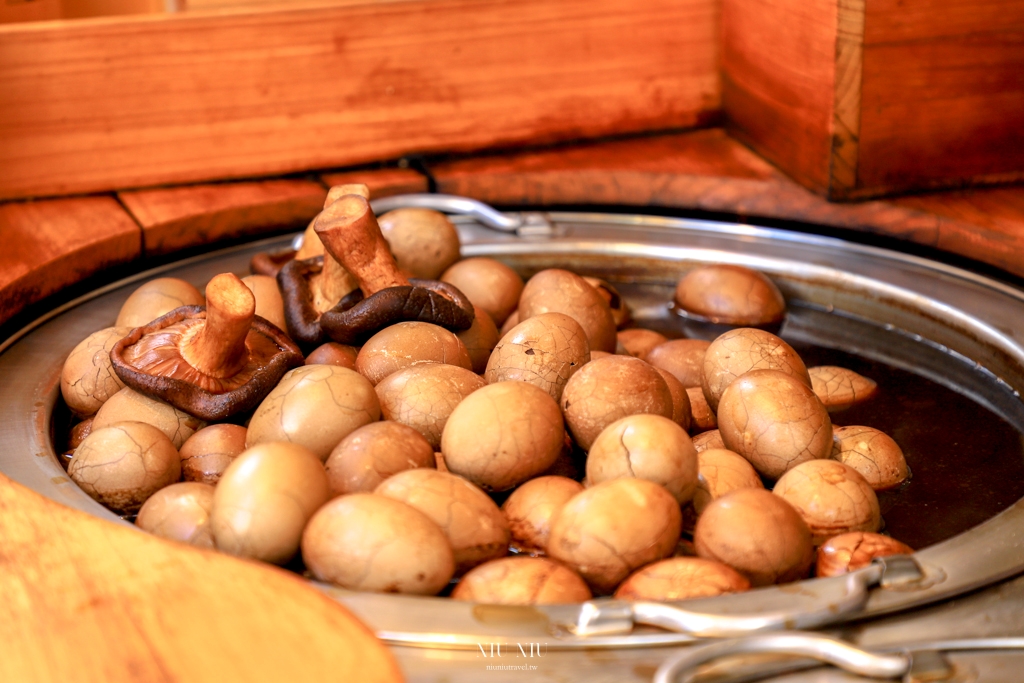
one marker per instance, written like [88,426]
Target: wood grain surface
[49,245]
[943,94]
[87,600]
[383,182]
[125,102]
[865,98]
[709,171]
[176,218]
[778,82]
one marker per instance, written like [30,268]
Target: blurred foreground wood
[87,600]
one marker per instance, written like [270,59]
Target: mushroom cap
[355,319]
[302,319]
[156,368]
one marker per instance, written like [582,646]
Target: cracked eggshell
[315,406]
[122,464]
[424,242]
[79,432]
[682,578]
[180,512]
[638,342]
[873,454]
[530,508]
[88,379]
[682,413]
[720,472]
[608,389]
[333,353]
[406,344]
[831,497]
[480,339]
[264,499]
[156,297]
[742,350]
[702,418]
[269,304]
[368,542]
[207,453]
[613,528]
[472,522]
[840,388]
[731,295]
[648,447]
[855,550]
[374,452]
[487,283]
[756,533]
[684,358]
[522,581]
[561,291]
[424,396]
[709,439]
[775,421]
[544,350]
[502,434]
[130,405]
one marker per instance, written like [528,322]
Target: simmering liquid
[966,462]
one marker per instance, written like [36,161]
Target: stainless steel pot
[959,329]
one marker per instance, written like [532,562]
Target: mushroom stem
[311,245]
[218,349]
[350,233]
[335,282]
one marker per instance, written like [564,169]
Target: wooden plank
[29,10]
[844,160]
[180,217]
[778,82]
[943,95]
[87,600]
[50,245]
[863,98]
[709,171]
[126,102]
[383,182]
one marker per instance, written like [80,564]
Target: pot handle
[602,618]
[682,667]
[526,223]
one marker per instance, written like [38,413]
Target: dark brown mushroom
[270,262]
[350,233]
[310,288]
[211,363]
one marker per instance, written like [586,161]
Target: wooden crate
[126,102]
[859,98]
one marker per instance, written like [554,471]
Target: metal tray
[957,328]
